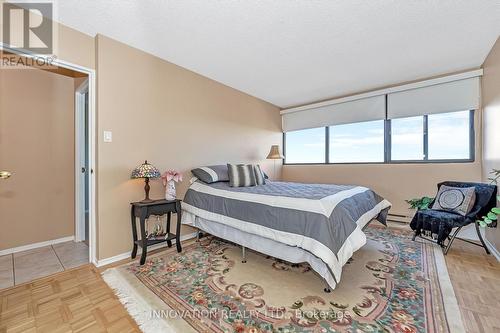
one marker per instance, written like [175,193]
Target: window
[305,146]
[407,139]
[357,143]
[449,136]
[442,137]
[436,137]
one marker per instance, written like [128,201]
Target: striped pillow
[211,174]
[241,175]
[260,176]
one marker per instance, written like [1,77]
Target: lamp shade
[274,153]
[145,170]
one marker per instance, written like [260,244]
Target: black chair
[441,223]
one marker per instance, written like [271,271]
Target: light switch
[108,136]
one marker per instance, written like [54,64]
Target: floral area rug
[392,284]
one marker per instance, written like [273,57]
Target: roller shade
[458,95]
[366,109]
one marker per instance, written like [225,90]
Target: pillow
[211,174]
[459,200]
[260,176]
[241,175]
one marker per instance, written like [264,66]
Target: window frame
[388,147]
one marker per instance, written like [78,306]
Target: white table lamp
[275,154]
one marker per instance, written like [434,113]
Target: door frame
[92,135]
[79,161]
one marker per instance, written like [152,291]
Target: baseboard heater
[399,218]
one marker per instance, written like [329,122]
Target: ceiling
[295,52]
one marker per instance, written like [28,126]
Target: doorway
[33,174]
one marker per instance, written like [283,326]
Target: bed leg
[243,255]
[327,287]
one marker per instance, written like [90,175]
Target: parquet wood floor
[476,280]
[77,300]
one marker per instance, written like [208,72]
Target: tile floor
[28,265]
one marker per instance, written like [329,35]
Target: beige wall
[175,119]
[491,127]
[395,182]
[37,145]
[75,47]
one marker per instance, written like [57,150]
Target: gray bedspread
[319,218]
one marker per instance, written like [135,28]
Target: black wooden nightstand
[143,210]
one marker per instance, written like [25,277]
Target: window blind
[366,109]
[458,95]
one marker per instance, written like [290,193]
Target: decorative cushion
[459,200]
[211,174]
[241,175]
[260,177]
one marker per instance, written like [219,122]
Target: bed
[321,224]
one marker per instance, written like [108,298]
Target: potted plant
[492,215]
[420,203]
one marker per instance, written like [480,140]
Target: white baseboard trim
[492,249]
[36,245]
[126,255]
